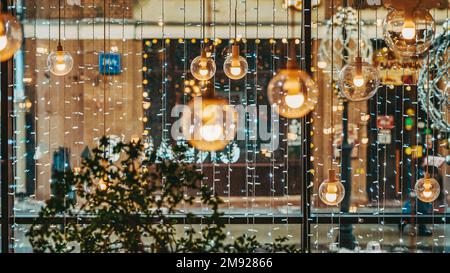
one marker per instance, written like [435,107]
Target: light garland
[344,21]
[434,96]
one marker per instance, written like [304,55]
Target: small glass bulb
[10,36]
[211,123]
[331,191]
[203,71]
[60,62]
[294,93]
[294,101]
[235,66]
[409,33]
[358,80]
[235,70]
[427,189]
[409,30]
[211,132]
[203,68]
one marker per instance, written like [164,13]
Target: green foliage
[131,207]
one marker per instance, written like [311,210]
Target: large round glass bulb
[294,92]
[358,83]
[203,68]
[331,191]
[235,66]
[60,62]
[427,189]
[212,123]
[10,36]
[409,33]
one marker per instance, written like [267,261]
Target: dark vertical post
[306,65]
[346,238]
[4,127]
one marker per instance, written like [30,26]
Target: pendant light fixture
[212,122]
[292,90]
[10,35]
[235,66]
[358,81]
[331,191]
[203,67]
[59,62]
[409,28]
[427,189]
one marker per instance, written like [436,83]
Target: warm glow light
[211,132]
[331,197]
[427,189]
[427,193]
[358,80]
[235,66]
[203,68]
[10,36]
[292,86]
[102,185]
[60,62]
[60,66]
[235,70]
[331,191]
[409,30]
[294,101]
[3,42]
[203,71]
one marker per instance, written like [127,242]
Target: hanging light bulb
[10,36]
[409,27]
[293,91]
[427,189]
[203,67]
[331,191]
[358,80]
[409,32]
[212,123]
[103,183]
[60,62]
[235,66]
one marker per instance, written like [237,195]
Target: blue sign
[109,63]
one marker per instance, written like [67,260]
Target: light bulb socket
[59,48]
[409,15]
[331,175]
[358,62]
[235,51]
[291,64]
[203,53]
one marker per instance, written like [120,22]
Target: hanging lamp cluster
[235,66]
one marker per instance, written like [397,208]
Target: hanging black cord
[203,24]
[235,21]
[59,23]
[359,28]
[104,69]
